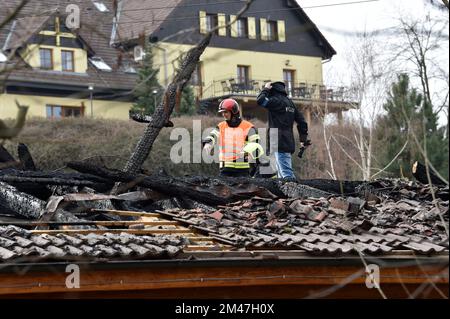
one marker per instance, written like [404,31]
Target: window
[3,57]
[67,61]
[63,28]
[272,31]
[243,74]
[46,56]
[242,28]
[100,64]
[288,77]
[211,22]
[101,7]
[50,25]
[58,111]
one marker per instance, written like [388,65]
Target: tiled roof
[96,29]
[19,244]
[23,29]
[137,17]
[320,226]
[403,220]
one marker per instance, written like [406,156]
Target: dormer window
[211,22]
[242,28]
[3,57]
[100,64]
[101,7]
[272,33]
[67,61]
[46,58]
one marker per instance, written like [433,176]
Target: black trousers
[234,172]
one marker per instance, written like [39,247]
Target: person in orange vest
[232,136]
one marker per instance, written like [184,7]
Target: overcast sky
[359,17]
[356,17]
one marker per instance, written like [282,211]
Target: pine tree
[187,103]
[148,91]
[408,112]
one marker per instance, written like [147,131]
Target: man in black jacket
[282,115]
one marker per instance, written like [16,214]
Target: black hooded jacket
[282,115]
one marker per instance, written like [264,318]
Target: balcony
[312,98]
[301,90]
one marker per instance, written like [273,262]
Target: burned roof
[379,218]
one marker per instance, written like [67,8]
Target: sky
[357,17]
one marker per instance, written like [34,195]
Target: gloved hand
[208,148]
[303,146]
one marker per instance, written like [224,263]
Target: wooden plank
[194,248]
[200,238]
[97,223]
[201,277]
[125,213]
[114,231]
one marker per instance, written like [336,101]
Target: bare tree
[369,81]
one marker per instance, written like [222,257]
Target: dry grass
[55,142]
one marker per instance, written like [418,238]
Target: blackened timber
[46,181]
[420,173]
[5,156]
[25,157]
[21,203]
[203,189]
[31,182]
[7,160]
[332,186]
[28,206]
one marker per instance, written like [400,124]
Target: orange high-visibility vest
[232,141]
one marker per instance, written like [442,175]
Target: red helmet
[229,105]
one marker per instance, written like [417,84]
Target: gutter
[268,260]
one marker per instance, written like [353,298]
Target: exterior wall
[221,64]
[32,57]
[37,104]
[300,36]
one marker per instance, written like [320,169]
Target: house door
[243,74]
[288,77]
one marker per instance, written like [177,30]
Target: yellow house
[60,71]
[274,40]
[90,69]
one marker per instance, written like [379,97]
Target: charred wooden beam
[205,190]
[162,113]
[420,173]
[5,156]
[333,186]
[28,206]
[7,160]
[32,182]
[46,181]
[142,118]
[25,157]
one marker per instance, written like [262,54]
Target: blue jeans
[284,165]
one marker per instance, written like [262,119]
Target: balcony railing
[301,90]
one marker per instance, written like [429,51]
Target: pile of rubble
[404,218]
[315,216]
